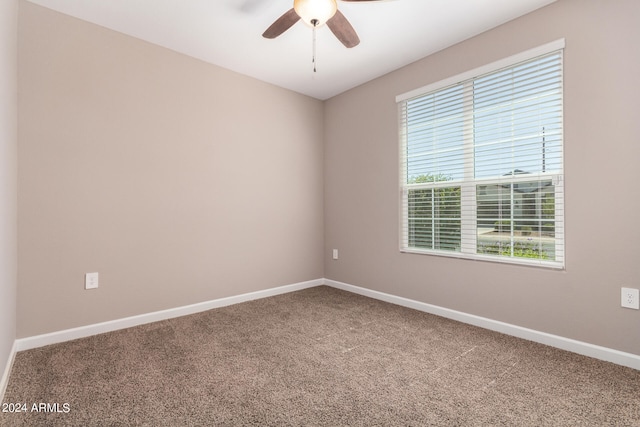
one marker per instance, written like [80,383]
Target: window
[482,163]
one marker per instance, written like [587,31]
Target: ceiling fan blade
[281,24]
[343,30]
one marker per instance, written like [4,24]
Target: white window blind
[482,163]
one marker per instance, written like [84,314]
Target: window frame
[469,184]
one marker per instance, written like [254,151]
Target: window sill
[525,262]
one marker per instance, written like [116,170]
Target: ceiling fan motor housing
[315,13]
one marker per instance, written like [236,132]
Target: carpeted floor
[317,357]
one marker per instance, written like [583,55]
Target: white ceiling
[228,33]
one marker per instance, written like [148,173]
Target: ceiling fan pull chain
[313,42]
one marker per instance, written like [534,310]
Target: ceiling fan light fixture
[319,11]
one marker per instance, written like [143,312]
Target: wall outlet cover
[91,281]
[630,298]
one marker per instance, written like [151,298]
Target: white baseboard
[586,349]
[603,353]
[4,380]
[128,322]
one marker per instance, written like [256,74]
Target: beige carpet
[318,357]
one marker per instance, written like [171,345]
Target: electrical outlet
[91,281]
[630,298]
[335,254]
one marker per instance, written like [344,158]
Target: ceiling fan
[316,13]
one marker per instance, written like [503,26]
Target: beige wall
[8,176]
[602,151]
[181,182]
[178,181]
